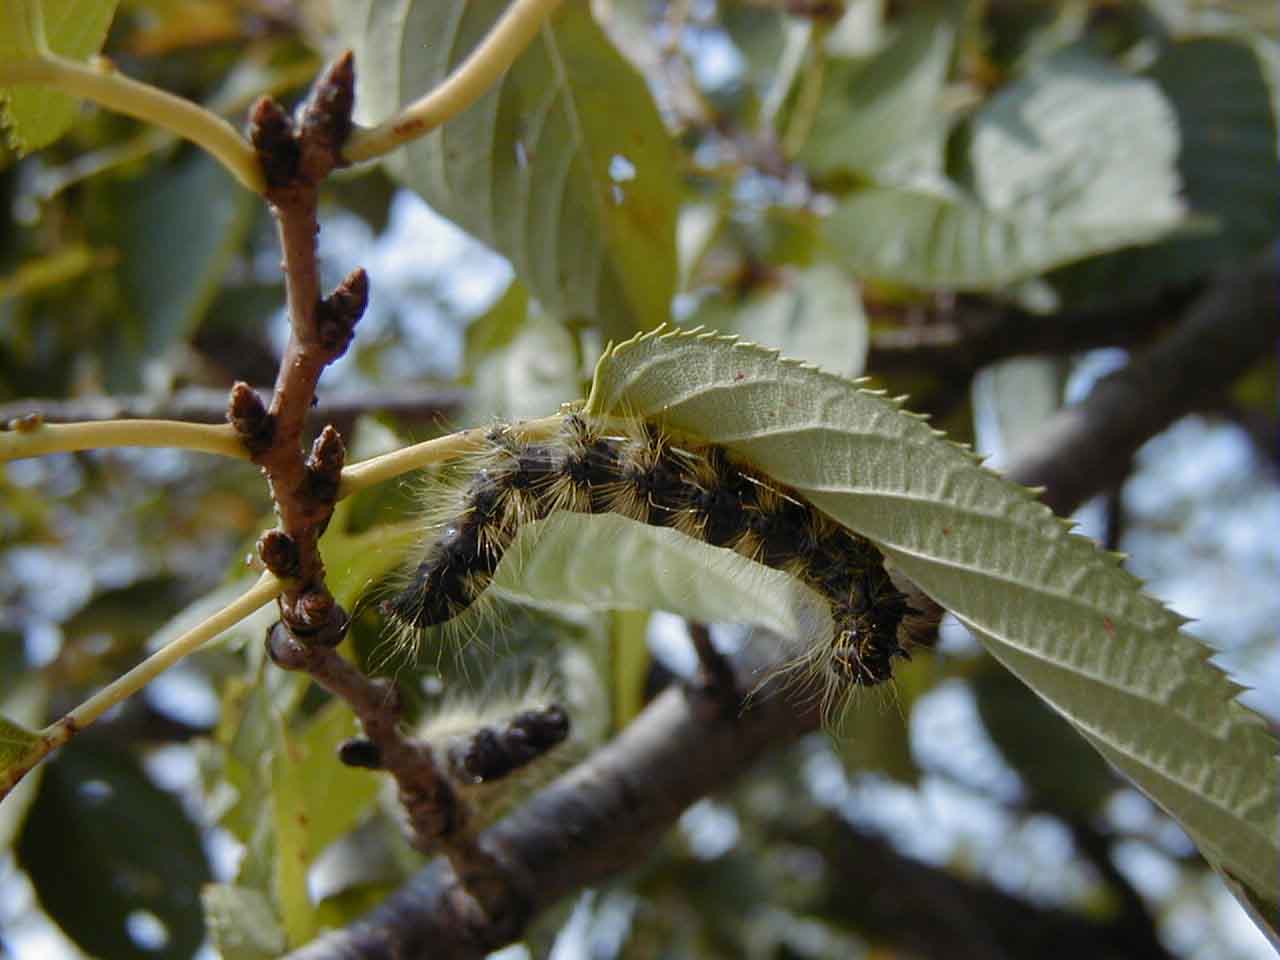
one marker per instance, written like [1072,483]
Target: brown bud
[326,117]
[338,313]
[317,618]
[324,465]
[271,132]
[285,650]
[250,419]
[279,553]
[360,752]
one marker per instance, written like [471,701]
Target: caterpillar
[636,468]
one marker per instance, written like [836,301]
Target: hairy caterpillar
[499,745]
[635,468]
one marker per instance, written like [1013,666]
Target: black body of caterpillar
[490,754]
[698,489]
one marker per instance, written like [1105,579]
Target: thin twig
[66,727]
[101,83]
[473,78]
[204,405]
[379,469]
[29,436]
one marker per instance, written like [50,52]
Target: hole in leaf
[621,169]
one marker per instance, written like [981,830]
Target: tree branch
[931,913]
[1087,448]
[603,816]
[296,158]
[597,820]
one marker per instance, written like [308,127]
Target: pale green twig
[265,590]
[101,83]
[376,470]
[56,734]
[44,438]
[473,78]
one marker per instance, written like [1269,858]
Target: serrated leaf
[1063,615]
[564,168]
[1058,766]
[36,116]
[875,110]
[1076,158]
[104,845]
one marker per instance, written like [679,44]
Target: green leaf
[1081,139]
[179,232]
[564,168]
[34,117]
[1229,166]
[933,240]
[813,314]
[496,328]
[314,800]
[534,372]
[293,854]
[629,654]
[1059,767]
[16,743]
[105,847]
[338,796]
[24,699]
[608,562]
[1061,614]
[242,923]
[1076,158]
[876,112]
[873,733]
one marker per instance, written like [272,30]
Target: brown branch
[1226,330]
[296,157]
[931,913]
[715,680]
[605,815]
[202,405]
[600,818]
[968,334]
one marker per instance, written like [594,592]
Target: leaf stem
[376,470]
[265,590]
[809,96]
[101,83]
[45,438]
[476,75]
